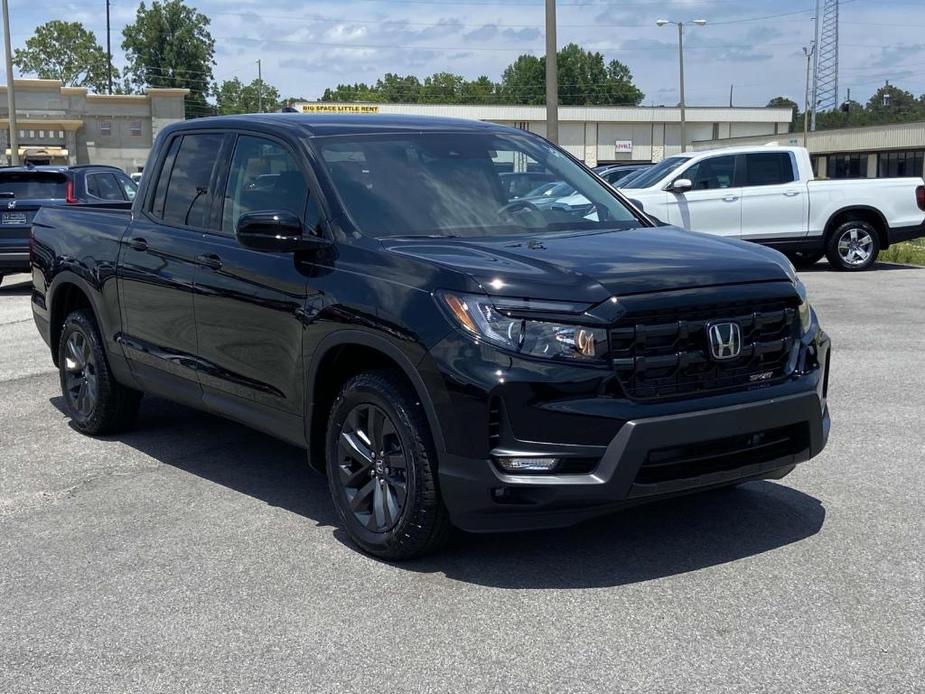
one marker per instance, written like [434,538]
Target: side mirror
[275,231]
[681,185]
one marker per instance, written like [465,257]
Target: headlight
[494,322]
[806,311]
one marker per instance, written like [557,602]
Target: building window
[134,128]
[106,128]
[41,134]
[892,164]
[847,166]
[31,134]
[60,134]
[22,134]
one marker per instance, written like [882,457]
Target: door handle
[210,260]
[138,244]
[791,193]
[730,198]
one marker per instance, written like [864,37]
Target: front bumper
[650,452]
[480,498]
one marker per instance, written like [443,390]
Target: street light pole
[10,88]
[808,52]
[683,104]
[552,75]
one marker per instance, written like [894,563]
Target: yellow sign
[338,108]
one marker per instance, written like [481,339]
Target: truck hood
[595,266]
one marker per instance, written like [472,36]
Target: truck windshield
[34,185]
[653,175]
[458,184]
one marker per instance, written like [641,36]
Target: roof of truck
[322,124]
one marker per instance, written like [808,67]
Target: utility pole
[108,49]
[809,53]
[552,75]
[731,87]
[10,88]
[259,87]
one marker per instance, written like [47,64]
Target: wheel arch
[68,293]
[342,355]
[865,213]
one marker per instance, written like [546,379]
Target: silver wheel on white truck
[853,246]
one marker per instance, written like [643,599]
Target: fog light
[528,464]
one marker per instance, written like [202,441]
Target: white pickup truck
[769,195]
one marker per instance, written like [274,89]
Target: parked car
[447,354]
[24,189]
[769,195]
[613,174]
[520,183]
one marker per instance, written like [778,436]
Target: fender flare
[884,226]
[381,344]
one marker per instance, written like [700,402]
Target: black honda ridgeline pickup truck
[364,287]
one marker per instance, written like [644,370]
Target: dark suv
[371,290]
[24,189]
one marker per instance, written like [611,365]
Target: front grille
[722,455]
[663,354]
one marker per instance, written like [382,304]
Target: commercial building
[872,152]
[68,125]
[602,134]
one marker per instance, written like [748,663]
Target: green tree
[233,96]
[524,81]
[479,91]
[351,92]
[169,45]
[395,89]
[584,79]
[65,51]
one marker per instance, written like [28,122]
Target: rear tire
[95,402]
[853,246]
[804,259]
[381,468]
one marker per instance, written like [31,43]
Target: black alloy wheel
[373,468]
[381,465]
[94,400]
[80,382]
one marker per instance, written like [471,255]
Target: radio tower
[825,74]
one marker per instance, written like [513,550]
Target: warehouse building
[872,152]
[68,125]
[602,134]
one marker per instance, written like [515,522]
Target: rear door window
[104,187]
[768,169]
[187,200]
[34,185]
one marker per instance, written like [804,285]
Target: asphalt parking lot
[196,555]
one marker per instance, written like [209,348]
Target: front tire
[381,468]
[96,403]
[853,246]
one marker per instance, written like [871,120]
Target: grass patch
[908,253]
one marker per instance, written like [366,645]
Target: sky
[754,45]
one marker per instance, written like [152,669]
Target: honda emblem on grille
[725,340]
